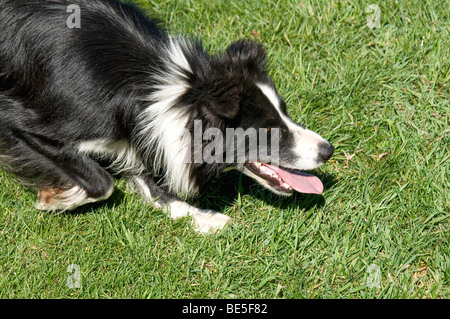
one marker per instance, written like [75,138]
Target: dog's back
[61,85]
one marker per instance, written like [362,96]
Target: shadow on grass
[116,199]
[224,192]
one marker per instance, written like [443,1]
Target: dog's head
[242,100]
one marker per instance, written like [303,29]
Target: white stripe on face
[306,145]
[273,97]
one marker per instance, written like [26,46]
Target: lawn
[382,227]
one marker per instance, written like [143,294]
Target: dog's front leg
[204,220]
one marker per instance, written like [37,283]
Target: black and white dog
[112,93]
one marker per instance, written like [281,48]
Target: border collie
[112,93]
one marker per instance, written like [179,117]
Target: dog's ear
[247,54]
[222,97]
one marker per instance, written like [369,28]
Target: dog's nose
[326,150]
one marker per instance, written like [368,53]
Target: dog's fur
[119,91]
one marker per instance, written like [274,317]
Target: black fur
[61,86]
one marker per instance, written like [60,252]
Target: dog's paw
[62,200]
[203,220]
[46,200]
[209,221]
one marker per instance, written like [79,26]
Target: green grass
[381,96]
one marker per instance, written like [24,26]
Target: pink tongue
[301,182]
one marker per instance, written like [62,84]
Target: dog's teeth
[285,185]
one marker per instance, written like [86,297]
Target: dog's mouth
[284,181]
